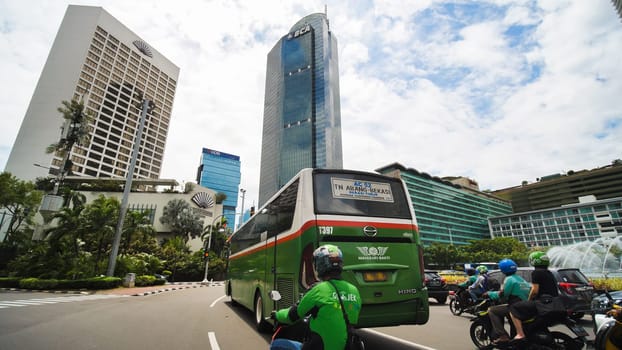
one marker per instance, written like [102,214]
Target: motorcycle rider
[514,289]
[480,286]
[327,325]
[470,280]
[542,283]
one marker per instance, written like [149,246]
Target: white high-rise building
[97,58]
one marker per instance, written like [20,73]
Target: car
[601,302]
[159,276]
[436,285]
[571,282]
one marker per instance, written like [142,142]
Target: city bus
[367,215]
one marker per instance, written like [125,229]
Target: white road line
[43,301]
[217,300]
[212,341]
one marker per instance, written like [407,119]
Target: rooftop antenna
[326,14]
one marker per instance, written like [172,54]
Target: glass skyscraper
[220,171]
[302,118]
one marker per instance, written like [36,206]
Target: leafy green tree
[101,218]
[174,250]
[69,232]
[220,197]
[20,201]
[138,234]
[183,222]
[496,249]
[442,255]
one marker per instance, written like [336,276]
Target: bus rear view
[370,217]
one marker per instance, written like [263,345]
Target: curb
[170,287]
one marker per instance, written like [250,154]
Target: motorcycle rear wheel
[564,341]
[480,333]
[455,307]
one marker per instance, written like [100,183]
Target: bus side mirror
[275,295]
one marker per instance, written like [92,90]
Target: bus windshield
[360,194]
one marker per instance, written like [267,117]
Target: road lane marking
[44,301]
[217,300]
[212,341]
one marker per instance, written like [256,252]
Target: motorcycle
[460,301]
[287,337]
[608,326]
[537,333]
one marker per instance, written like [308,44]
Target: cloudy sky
[500,91]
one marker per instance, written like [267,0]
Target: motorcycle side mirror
[275,295]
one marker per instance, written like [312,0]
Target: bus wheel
[260,322]
[233,302]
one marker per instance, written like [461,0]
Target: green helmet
[326,259]
[538,259]
[481,269]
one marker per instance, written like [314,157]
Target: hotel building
[96,58]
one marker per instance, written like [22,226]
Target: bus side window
[281,211]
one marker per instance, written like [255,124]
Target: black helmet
[326,259]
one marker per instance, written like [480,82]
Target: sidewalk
[142,291]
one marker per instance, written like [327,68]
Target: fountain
[601,257]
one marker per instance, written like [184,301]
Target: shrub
[610,284]
[39,284]
[145,280]
[9,282]
[103,282]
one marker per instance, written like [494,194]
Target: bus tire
[260,321]
[233,302]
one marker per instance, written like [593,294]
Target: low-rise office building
[201,200]
[587,220]
[449,210]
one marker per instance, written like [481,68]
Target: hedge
[87,283]
[94,283]
[9,282]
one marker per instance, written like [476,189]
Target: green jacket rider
[327,325]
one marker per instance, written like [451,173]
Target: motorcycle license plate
[578,330]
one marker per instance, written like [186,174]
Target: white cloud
[453,97]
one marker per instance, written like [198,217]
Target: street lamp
[147,107]
[242,210]
[451,239]
[209,245]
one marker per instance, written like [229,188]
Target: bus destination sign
[361,190]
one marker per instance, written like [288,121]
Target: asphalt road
[199,318]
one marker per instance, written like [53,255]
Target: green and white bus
[369,216]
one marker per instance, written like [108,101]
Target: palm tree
[66,237]
[138,233]
[75,132]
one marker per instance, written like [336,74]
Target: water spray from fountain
[601,257]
